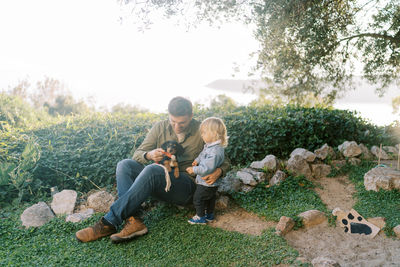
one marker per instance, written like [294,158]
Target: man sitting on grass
[136,182]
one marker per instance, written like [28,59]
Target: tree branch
[392,39]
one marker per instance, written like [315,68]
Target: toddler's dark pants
[204,199]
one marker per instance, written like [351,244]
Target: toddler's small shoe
[197,220]
[209,217]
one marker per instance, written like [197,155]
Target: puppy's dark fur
[176,149]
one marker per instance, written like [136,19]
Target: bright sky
[85,45]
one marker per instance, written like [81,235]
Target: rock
[279,177]
[285,225]
[375,152]
[391,149]
[246,178]
[377,221]
[354,161]
[77,217]
[324,262]
[36,215]
[304,153]
[258,176]
[246,188]
[64,202]
[365,153]
[229,183]
[100,201]
[299,165]
[312,217]
[337,164]
[396,230]
[321,170]
[269,162]
[350,149]
[382,177]
[222,203]
[324,152]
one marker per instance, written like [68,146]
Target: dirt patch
[336,192]
[239,220]
[323,240]
[332,242]
[346,249]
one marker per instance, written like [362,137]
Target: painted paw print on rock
[354,223]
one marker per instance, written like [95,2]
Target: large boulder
[269,162]
[36,215]
[350,149]
[246,178]
[64,202]
[391,150]
[258,176]
[278,177]
[229,183]
[100,201]
[354,161]
[321,170]
[382,177]
[299,166]
[337,164]
[365,153]
[324,152]
[251,177]
[304,153]
[377,152]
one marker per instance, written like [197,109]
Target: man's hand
[155,155]
[212,177]
[195,163]
[190,170]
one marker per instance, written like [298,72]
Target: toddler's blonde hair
[217,127]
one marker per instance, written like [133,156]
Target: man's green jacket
[193,144]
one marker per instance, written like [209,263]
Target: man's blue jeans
[135,183]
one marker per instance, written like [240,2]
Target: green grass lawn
[290,198]
[171,241]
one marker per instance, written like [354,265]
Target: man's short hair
[180,106]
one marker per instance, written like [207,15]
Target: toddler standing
[213,132]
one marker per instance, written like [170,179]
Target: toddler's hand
[190,170]
[195,163]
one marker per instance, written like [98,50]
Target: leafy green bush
[83,151]
[18,113]
[19,154]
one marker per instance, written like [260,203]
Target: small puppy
[172,150]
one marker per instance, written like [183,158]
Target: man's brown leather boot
[95,232]
[133,227]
